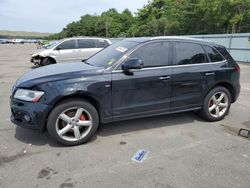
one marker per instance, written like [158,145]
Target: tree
[165,17]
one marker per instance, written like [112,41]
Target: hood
[56,72]
[38,52]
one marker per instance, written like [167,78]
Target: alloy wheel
[218,104]
[74,124]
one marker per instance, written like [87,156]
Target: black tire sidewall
[51,123]
[205,111]
[46,61]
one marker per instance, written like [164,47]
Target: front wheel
[73,122]
[216,105]
[47,61]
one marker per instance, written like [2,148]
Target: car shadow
[34,137]
[123,127]
[135,125]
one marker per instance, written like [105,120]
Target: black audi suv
[132,78]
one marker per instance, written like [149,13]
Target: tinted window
[69,44]
[154,54]
[189,53]
[101,43]
[213,54]
[225,53]
[86,43]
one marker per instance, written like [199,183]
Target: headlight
[28,95]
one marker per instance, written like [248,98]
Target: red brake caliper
[211,103]
[83,117]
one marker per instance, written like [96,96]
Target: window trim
[174,66]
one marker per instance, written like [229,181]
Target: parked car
[132,78]
[18,41]
[48,45]
[32,41]
[44,42]
[71,49]
[3,41]
[8,41]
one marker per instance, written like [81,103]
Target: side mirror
[58,47]
[134,63]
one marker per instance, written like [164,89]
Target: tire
[58,123]
[213,109]
[47,61]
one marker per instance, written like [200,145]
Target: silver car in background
[69,50]
[3,41]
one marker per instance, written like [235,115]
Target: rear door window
[86,43]
[213,54]
[189,53]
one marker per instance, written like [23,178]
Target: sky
[53,15]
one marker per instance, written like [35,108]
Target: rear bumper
[237,93]
[36,112]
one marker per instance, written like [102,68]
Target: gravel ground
[184,151]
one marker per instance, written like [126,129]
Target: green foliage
[22,34]
[165,17]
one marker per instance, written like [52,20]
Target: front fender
[92,89]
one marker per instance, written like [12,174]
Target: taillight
[237,68]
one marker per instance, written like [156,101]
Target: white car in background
[3,41]
[18,41]
[69,50]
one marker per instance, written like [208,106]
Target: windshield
[108,56]
[52,44]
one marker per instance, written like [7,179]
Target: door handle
[164,77]
[209,73]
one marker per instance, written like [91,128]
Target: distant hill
[22,34]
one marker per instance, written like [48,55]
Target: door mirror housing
[133,63]
[59,47]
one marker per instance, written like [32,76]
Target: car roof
[97,38]
[178,38]
[86,38]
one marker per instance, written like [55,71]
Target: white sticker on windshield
[121,49]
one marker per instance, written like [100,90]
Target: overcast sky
[53,15]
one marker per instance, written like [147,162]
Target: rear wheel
[216,104]
[73,122]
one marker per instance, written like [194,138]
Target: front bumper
[35,60]
[37,113]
